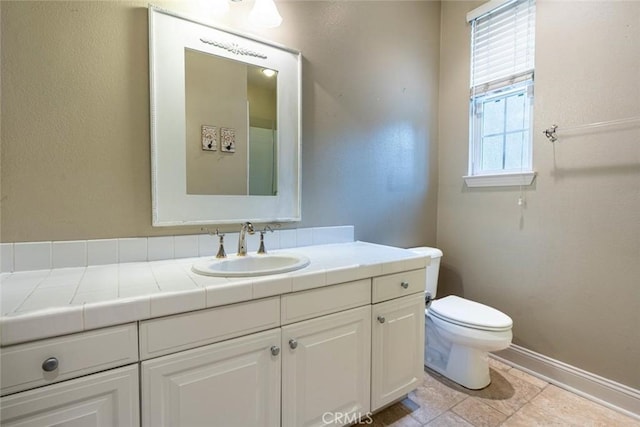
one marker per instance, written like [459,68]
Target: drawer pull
[293,344]
[405,285]
[275,350]
[51,364]
[381,319]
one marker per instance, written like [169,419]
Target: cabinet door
[231,383]
[326,369]
[104,399]
[397,341]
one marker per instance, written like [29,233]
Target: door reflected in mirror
[231,126]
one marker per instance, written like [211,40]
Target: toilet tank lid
[431,252]
[470,313]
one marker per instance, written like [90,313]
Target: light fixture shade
[213,7]
[265,14]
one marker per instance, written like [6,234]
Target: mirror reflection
[231,126]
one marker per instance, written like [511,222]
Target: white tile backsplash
[272,240]
[186,246]
[32,256]
[132,249]
[101,252]
[160,248]
[253,242]
[69,254]
[327,235]
[63,254]
[304,237]
[287,238]
[6,257]
[208,245]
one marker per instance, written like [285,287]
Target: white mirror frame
[169,35]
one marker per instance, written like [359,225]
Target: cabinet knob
[381,319]
[405,285]
[51,364]
[275,350]
[293,343]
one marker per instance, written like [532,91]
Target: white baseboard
[608,393]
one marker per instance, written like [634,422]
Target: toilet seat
[470,314]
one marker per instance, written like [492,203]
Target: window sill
[500,180]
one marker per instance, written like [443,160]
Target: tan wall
[75,117]
[566,266]
[216,95]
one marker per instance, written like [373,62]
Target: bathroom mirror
[225,125]
[249,107]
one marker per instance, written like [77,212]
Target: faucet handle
[221,253]
[261,249]
[211,233]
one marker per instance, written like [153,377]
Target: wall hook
[550,133]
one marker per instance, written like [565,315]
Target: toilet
[460,333]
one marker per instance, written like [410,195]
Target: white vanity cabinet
[397,338]
[105,399]
[231,383]
[95,399]
[326,368]
[322,356]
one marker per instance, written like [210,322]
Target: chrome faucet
[247,227]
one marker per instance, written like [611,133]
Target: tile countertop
[46,303]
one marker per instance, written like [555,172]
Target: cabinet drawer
[184,331]
[104,399]
[398,285]
[76,355]
[331,299]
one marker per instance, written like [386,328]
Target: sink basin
[251,265]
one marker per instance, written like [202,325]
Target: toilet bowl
[460,333]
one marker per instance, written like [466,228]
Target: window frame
[504,86]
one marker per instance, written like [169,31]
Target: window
[501,93]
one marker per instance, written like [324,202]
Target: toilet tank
[433,269]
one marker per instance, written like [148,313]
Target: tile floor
[514,398]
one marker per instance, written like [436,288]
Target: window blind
[503,42]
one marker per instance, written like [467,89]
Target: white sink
[251,265]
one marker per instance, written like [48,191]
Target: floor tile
[528,378]
[498,365]
[434,397]
[397,415]
[514,398]
[533,415]
[506,393]
[448,419]
[478,413]
[576,410]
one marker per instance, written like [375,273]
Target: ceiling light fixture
[268,72]
[215,7]
[265,14]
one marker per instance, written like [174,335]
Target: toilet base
[467,366]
